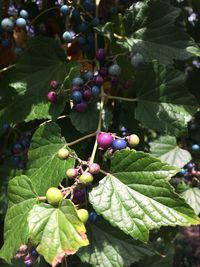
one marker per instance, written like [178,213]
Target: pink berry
[99,80]
[54,84]
[72,173]
[52,97]
[87,95]
[104,140]
[94,168]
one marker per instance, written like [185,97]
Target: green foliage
[167,150]
[192,197]
[132,194]
[137,197]
[45,168]
[26,94]
[59,226]
[110,247]
[22,199]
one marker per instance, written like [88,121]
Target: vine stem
[7,68]
[43,12]
[122,98]
[81,139]
[102,92]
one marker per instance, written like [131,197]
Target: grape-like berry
[63,153]
[54,196]
[104,140]
[119,144]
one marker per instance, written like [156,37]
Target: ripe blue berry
[88,75]
[23,13]
[92,217]
[68,36]
[84,27]
[77,81]
[114,70]
[88,5]
[65,9]
[76,14]
[95,90]
[21,22]
[137,60]
[76,96]
[6,43]
[182,172]
[195,147]
[119,144]
[34,253]
[6,126]
[7,24]
[81,40]
[18,51]
[95,22]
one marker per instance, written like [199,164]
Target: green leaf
[164,103]
[153,34]
[45,169]
[167,150]
[166,260]
[26,99]
[137,197]
[192,197]
[56,231]
[109,247]
[85,121]
[22,199]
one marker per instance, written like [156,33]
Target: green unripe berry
[63,153]
[83,215]
[54,196]
[133,140]
[72,173]
[86,178]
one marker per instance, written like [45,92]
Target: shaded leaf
[110,247]
[167,150]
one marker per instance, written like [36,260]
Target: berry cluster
[7,27]
[109,141]
[28,254]
[18,150]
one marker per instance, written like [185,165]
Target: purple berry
[54,84]
[99,80]
[87,95]
[103,72]
[100,54]
[81,107]
[94,168]
[119,144]
[52,97]
[190,165]
[104,140]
